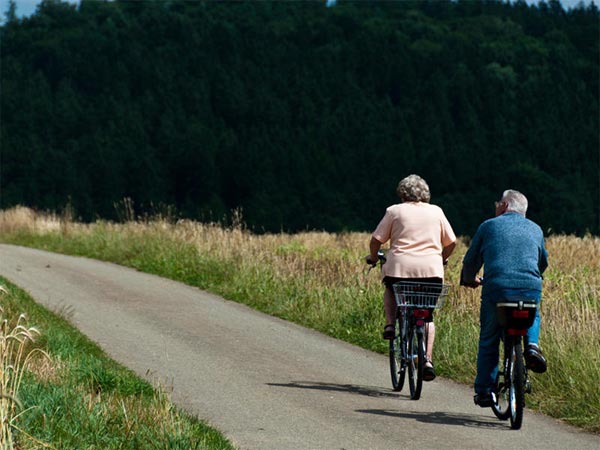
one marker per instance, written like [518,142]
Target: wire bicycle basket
[420,295]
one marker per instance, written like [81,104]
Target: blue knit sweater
[511,250]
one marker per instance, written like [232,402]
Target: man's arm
[472,261]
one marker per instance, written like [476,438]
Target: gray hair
[413,188]
[515,201]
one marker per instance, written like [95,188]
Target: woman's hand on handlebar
[379,258]
[371,261]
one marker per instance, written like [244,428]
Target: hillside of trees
[301,115]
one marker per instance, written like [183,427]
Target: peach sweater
[417,233]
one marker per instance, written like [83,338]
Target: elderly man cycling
[511,250]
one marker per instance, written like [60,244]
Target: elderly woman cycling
[421,240]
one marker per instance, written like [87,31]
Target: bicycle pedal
[528,387]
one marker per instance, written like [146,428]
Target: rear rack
[516,314]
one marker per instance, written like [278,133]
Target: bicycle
[415,304]
[512,382]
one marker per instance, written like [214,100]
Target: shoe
[389,331]
[534,359]
[428,371]
[485,400]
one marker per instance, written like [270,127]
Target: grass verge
[71,395]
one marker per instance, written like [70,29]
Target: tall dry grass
[15,355]
[319,279]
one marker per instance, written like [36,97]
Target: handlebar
[380,259]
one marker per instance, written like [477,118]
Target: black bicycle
[512,382]
[415,302]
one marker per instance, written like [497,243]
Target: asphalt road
[265,383]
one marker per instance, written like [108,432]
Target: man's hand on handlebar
[475,283]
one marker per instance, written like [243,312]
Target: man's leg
[533,354]
[533,333]
[488,353]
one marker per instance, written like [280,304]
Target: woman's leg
[430,336]
[389,306]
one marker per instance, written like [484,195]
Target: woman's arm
[374,247]
[447,251]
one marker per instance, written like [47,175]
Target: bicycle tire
[416,361]
[517,386]
[502,406]
[397,353]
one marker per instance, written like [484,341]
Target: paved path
[265,383]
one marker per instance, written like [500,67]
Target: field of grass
[319,280]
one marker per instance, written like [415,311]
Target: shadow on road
[437,417]
[370,391]
[441,418]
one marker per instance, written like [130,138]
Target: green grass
[318,280]
[81,399]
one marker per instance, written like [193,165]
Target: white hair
[515,201]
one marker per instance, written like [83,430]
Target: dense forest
[302,115]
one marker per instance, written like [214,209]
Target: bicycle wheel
[517,386]
[416,360]
[398,355]
[502,406]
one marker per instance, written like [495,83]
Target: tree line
[303,116]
